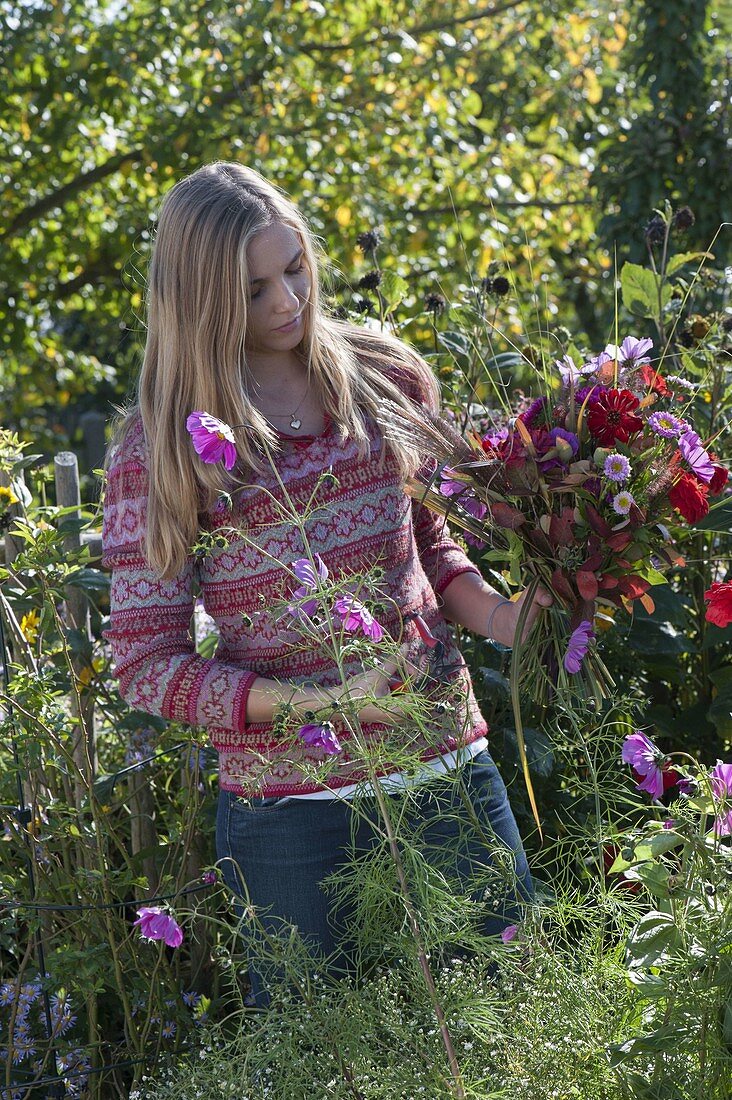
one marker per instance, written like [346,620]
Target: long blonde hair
[195,357]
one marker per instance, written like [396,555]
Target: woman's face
[279,289]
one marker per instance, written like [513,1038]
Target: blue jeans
[276,852]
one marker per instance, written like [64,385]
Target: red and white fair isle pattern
[362,520]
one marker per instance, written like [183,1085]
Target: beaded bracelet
[489,625]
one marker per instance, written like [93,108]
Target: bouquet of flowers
[576,493]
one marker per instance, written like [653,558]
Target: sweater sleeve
[441,557]
[149,631]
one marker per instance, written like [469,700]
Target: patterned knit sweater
[362,519]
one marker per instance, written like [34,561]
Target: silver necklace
[295,421]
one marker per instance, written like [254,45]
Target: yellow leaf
[343,216]
[261,145]
[593,89]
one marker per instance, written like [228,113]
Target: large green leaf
[652,938]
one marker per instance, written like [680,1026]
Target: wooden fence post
[66,470]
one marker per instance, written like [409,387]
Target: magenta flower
[212,438]
[646,759]
[321,736]
[304,571]
[616,467]
[355,616]
[509,933]
[720,778]
[691,448]
[154,924]
[577,647]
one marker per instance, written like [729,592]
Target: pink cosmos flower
[577,646]
[633,351]
[647,760]
[720,778]
[321,736]
[212,438]
[304,571]
[691,448]
[154,924]
[509,933]
[450,486]
[355,616]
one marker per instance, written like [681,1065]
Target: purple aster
[633,352]
[616,467]
[693,451]
[665,424]
[191,998]
[623,502]
[577,646]
[646,759]
[320,736]
[168,1029]
[720,778]
[355,616]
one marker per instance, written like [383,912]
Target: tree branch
[57,198]
[414,32]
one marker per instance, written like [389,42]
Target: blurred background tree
[482,133]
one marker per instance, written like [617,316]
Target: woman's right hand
[377,683]
[266,696]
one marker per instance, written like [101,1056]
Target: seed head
[683,218]
[370,281]
[369,241]
[435,303]
[655,230]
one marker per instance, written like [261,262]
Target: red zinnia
[689,496]
[611,418]
[719,604]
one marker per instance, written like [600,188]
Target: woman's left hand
[504,620]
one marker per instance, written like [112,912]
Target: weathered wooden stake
[66,470]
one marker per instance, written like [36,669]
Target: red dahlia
[719,604]
[689,496]
[611,418]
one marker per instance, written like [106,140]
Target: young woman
[236,327]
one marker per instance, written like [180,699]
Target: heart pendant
[295,423]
